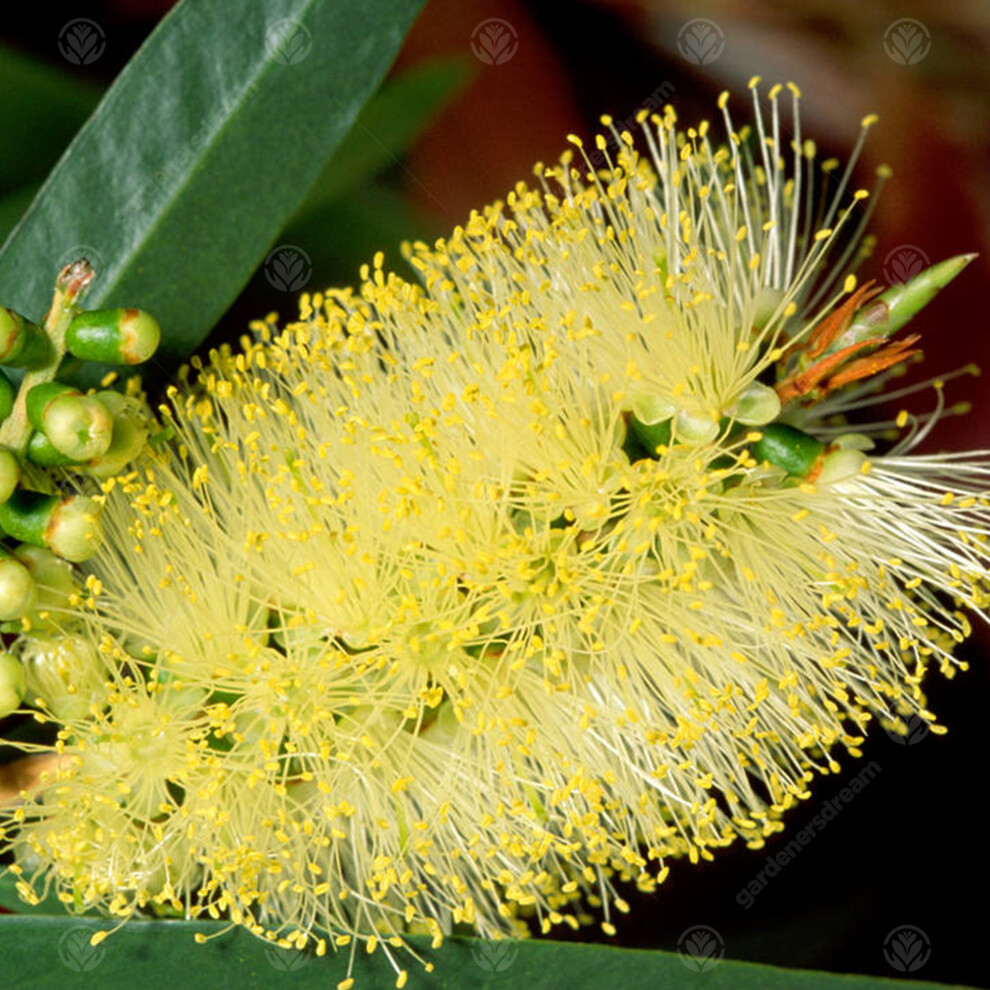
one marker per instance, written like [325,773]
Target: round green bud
[40,397]
[18,592]
[10,473]
[41,451]
[11,329]
[68,526]
[75,531]
[130,434]
[791,449]
[113,336]
[79,426]
[758,404]
[23,344]
[13,683]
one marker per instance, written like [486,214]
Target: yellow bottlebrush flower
[461,602]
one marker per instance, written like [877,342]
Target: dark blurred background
[909,849]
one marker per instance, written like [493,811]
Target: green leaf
[42,109]
[43,953]
[198,154]
[391,121]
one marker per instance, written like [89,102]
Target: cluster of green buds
[50,430]
[850,344]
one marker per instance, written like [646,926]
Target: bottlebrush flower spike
[466,602]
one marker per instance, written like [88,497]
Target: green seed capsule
[41,451]
[13,683]
[69,527]
[130,434]
[23,344]
[791,449]
[78,426]
[18,592]
[10,473]
[113,336]
[41,396]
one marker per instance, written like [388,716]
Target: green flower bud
[18,592]
[7,395]
[75,531]
[13,683]
[69,526]
[113,336]
[758,404]
[77,425]
[130,434]
[41,451]
[66,673]
[10,473]
[22,343]
[894,307]
[791,449]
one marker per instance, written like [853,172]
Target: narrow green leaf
[394,117]
[40,952]
[203,147]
